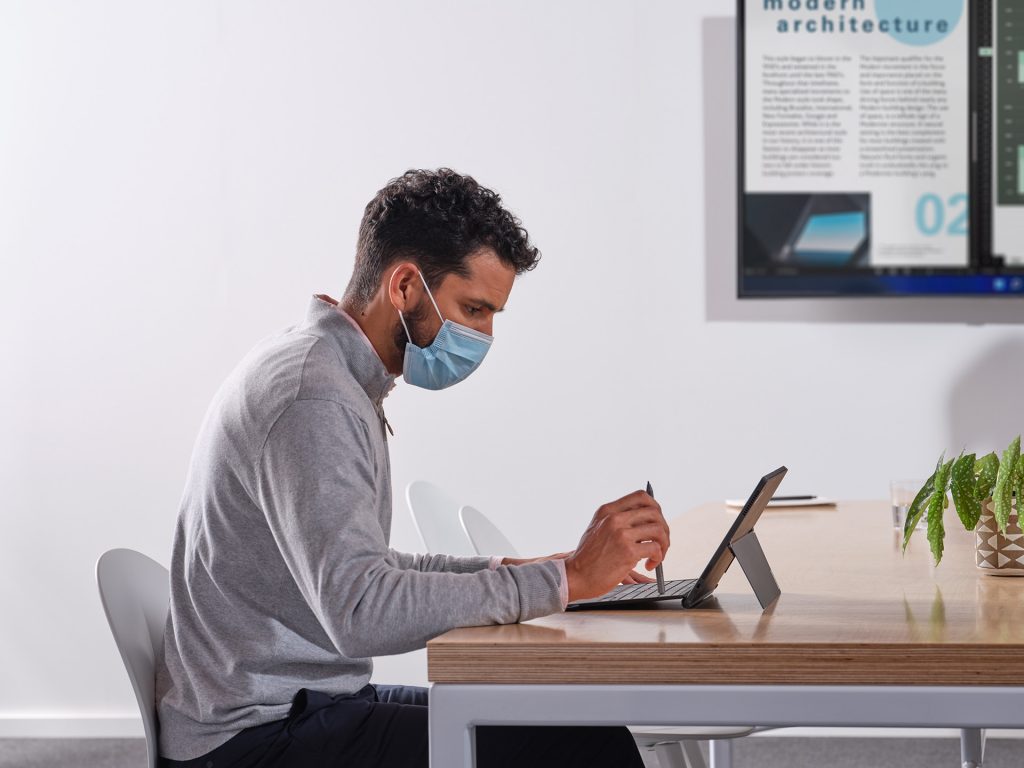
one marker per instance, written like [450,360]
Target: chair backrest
[135,591]
[436,517]
[486,537]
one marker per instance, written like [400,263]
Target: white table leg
[972,747]
[721,753]
[452,737]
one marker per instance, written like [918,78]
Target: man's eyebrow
[487,304]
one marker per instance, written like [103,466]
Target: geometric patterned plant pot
[999,554]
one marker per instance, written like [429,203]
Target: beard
[416,318]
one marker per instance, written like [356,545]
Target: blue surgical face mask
[454,353]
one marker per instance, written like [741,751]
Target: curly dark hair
[436,219]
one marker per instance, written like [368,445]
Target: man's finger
[652,551]
[635,577]
[640,517]
[630,501]
[645,533]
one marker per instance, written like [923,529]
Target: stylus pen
[659,571]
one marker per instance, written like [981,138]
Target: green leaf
[1018,487]
[986,468]
[936,531]
[917,509]
[963,486]
[1002,494]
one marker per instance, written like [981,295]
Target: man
[283,585]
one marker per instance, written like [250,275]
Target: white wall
[176,179]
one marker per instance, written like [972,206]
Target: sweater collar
[354,350]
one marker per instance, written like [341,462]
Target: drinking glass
[902,494]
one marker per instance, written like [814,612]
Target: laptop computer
[690,592]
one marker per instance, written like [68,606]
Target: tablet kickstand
[747,550]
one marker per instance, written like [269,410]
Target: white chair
[435,516]
[486,538]
[135,592]
[675,746]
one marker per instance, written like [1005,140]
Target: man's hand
[622,533]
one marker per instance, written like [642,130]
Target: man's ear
[403,285]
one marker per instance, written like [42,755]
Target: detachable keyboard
[627,594]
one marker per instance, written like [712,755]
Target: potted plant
[985,493]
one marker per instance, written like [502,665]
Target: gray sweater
[281,573]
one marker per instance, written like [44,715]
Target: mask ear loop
[406,328]
[431,296]
[401,317]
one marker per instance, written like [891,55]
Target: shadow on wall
[985,411]
[719,81]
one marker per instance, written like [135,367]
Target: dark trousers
[386,727]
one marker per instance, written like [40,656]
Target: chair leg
[670,755]
[721,753]
[972,747]
[680,754]
[694,757]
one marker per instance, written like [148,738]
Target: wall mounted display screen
[856,168]
[1000,108]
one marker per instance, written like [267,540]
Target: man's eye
[472,310]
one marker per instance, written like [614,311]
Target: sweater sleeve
[438,563]
[315,481]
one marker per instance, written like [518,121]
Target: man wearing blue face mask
[283,584]
[455,352]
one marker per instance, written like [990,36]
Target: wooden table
[861,636]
